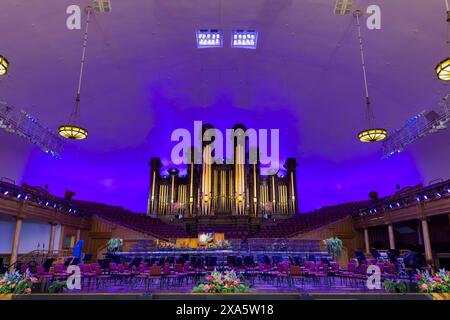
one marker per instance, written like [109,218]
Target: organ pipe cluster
[210,189]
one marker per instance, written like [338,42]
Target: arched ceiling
[144,77]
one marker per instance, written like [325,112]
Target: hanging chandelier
[4,64]
[72,130]
[371,134]
[443,68]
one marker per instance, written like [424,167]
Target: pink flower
[206,288]
[33,279]
[28,290]
[424,287]
[209,278]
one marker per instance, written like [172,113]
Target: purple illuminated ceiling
[144,77]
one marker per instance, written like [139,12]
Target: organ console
[212,188]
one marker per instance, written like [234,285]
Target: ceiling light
[209,38]
[443,68]
[372,134]
[72,130]
[4,64]
[244,39]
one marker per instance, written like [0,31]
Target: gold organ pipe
[172,190]
[293,192]
[273,194]
[255,198]
[191,190]
[153,191]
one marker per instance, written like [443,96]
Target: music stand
[360,256]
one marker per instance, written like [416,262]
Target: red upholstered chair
[349,274]
[87,273]
[179,270]
[169,277]
[43,275]
[295,275]
[101,278]
[59,271]
[155,274]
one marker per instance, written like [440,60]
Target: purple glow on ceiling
[145,77]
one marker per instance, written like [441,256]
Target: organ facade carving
[212,188]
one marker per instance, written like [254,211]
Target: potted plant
[395,286]
[334,246]
[57,287]
[115,245]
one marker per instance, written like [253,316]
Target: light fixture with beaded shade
[372,134]
[72,130]
[4,64]
[443,68]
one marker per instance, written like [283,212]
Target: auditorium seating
[284,228]
[306,222]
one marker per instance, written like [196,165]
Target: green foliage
[114,245]
[400,286]
[395,286]
[57,286]
[334,246]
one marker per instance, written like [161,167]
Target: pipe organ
[210,189]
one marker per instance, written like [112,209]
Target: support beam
[15,245]
[51,242]
[391,237]
[419,234]
[78,236]
[426,240]
[366,240]
[61,238]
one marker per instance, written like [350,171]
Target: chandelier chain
[76,113]
[370,115]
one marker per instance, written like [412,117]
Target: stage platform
[240,296]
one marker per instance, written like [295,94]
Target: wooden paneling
[344,230]
[418,211]
[28,210]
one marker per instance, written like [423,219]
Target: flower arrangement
[218,282]
[165,245]
[225,244]
[434,281]
[16,283]
[205,238]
